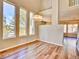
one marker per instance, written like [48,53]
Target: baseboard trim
[17,46]
[52,43]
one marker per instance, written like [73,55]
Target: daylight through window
[8,20]
[23,22]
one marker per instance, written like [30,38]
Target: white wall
[10,43]
[66,12]
[60,9]
[50,9]
[51,34]
[55,12]
[45,4]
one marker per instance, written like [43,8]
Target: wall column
[1,19]
[17,22]
[55,12]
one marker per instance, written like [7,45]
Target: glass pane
[70,28]
[75,28]
[32,24]
[22,28]
[65,27]
[8,20]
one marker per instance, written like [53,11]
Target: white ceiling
[46,4]
[33,5]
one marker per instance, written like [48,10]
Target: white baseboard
[52,43]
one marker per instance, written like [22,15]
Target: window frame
[30,22]
[14,20]
[65,28]
[26,22]
[73,28]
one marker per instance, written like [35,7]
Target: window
[72,28]
[75,28]
[65,28]
[23,20]
[32,24]
[73,2]
[8,20]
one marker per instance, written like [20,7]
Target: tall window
[75,28]
[8,20]
[73,2]
[32,24]
[70,28]
[65,28]
[23,20]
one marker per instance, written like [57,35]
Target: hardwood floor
[70,48]
[40,50]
